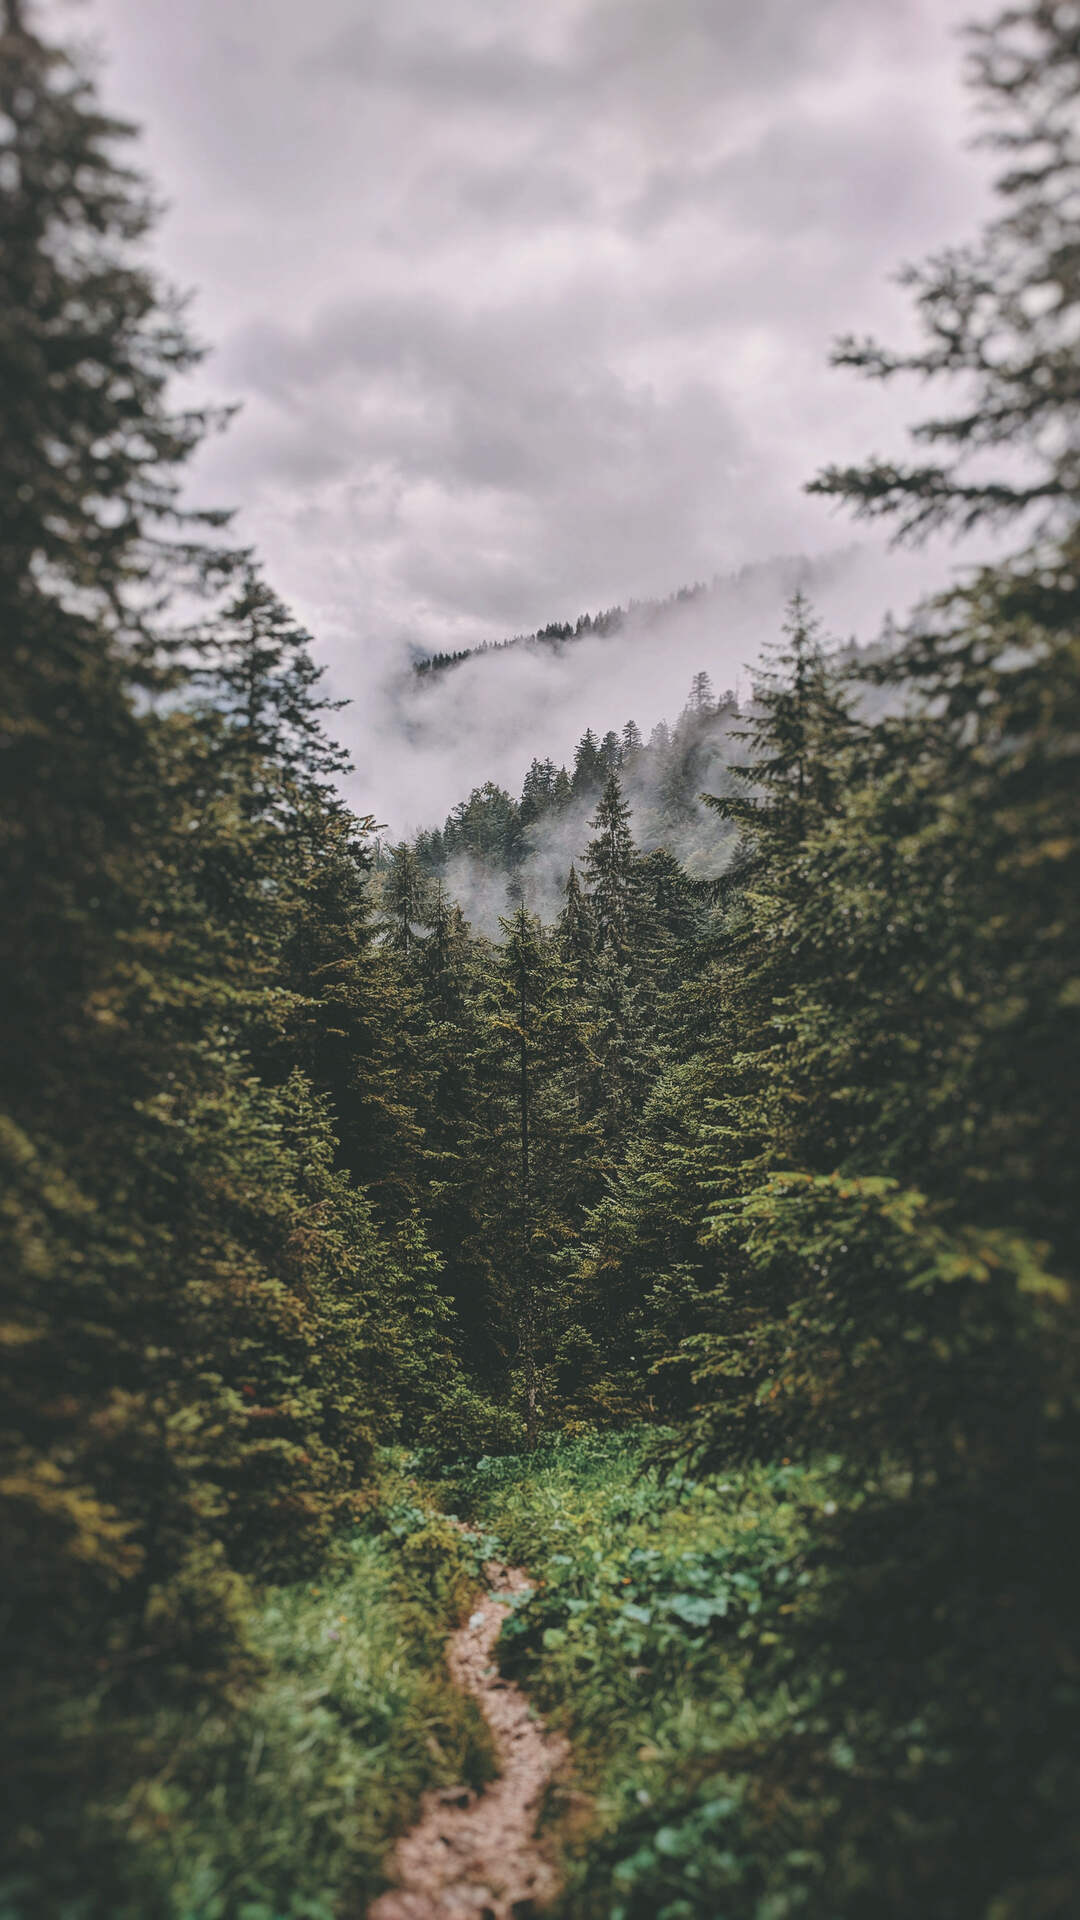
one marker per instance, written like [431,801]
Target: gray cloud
[529,308]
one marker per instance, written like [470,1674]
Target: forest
[697,1228]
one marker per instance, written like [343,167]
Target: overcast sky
[528,306]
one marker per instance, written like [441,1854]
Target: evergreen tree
[672,924]
[444,962]
[611,752]
[451,969]
[701,694]
[537,794]
[536,1147]
[610,871]
[201,1319]
[347,1010]
[92,448]
[431,850]
[799,723]
[405,900]
[640,1274]
[487,825]
[622,1059]
[999,317]
[895,1237]
[677,786]
[256,665]
[589,769]
[577,930]
[620,985]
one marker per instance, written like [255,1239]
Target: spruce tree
[610,871]
[577,929]
[404,900]
[589,769]
[611,752]
[640,1274]
[198,1306]
[90,342]
[537,1149]
[256,667]
[799,724]
[894,1053]
[998,317]
[537,793]
[702,700]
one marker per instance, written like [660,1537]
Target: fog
[528,311]
[422,743]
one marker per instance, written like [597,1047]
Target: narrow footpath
[477,1855]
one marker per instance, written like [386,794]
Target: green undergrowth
[793,1695]
[657,1634]
[280,1803]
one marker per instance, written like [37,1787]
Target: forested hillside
[494,852]
[644,616]
[694,1216]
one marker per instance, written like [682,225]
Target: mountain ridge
[800,570]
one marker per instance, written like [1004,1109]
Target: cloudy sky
[528,307]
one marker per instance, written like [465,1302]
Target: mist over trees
[493,849]
[719,1089]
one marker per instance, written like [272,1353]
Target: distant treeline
[558,633]
[492,827]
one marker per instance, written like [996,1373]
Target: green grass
[657,1635]
[282,1804]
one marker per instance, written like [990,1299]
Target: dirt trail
[476,1857]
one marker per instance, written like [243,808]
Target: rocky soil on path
[476,1857]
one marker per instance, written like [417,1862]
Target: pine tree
[346,1009]
[640,1274]
[620,984]
[577,930]
[405,900]
[92,447]
[255,664]
[198,1307]
[672,919]
[610,752]
[589,769]
[445,957]
[536,1147]
[893,1054]
[622,1060]
[799,725]
[486,826]
[999,317]
[451,969]
[702,700]
[610,871]
[537,793]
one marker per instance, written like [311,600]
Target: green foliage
[205,1327]
[283,1802]
[531,1135]
[659,1636]
[998,316]
[296,1166]
[640,1273]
